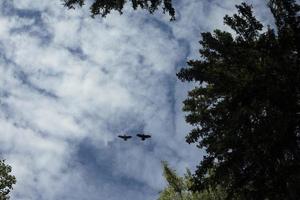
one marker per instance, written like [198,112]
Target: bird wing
[125,136]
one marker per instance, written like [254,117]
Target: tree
[246,109]
[6,180]
[104,7]
[178,188]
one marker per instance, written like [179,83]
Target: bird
[143,136]
[125,137]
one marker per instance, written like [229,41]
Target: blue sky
[69,84]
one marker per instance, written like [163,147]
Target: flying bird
[125,137]
[143,136]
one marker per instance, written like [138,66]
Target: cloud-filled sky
[69,84]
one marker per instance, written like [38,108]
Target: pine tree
[6,180]
[104,7]
[246,107]
[179,188]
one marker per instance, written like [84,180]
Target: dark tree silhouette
[104,7]
[246,108]
[6,180]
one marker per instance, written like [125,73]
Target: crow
[143,136]
[125,137]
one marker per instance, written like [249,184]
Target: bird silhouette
[125,137]
[143,136]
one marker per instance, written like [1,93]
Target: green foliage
[6,180]
[179,188]
[246,110]
[104,7]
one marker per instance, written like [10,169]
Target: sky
[70,84]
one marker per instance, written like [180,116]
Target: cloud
[70,84]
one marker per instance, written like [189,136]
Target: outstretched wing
[143,136]
[125,137]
